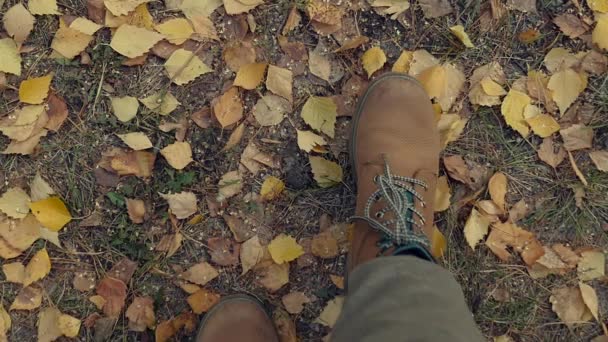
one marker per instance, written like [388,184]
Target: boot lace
[399,196]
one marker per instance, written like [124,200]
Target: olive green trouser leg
[404,298]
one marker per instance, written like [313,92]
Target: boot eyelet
[379,214]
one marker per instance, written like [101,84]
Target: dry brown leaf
[252,252]
[239,228]
[319,65]
[518,211]
[84,281]
[136,210]
[337,280]
[178,154]
[239,54]
[286,328]
[497,186]
[456,168]
[250,76]
[505,235]
[435,8]
[202,301]
[272,276]
[294,302]
[325,245]
[114,293]
[571,25]
[600,159]
[223,251]
[280,82]
[577,137]
[229,185]
[595,63]
[293,20]
[568,304]
[235,137]
[29,298]
[141,314]
[229,108]
[200,274]
[170,243]
[547,154]
[182,205]
[18,23]
[271,109]
[138,163]
[17,236]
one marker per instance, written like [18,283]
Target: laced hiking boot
[395,155]
[237,318]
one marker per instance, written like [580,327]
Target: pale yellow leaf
[136,140]
[197,7]
[497,187]
[35,90]
[491,88]
[160,102]
[600,32]
[38,267]
[176,30]
[476,228]
[69,42]
[250,76]
[543,125]
[280,81]
[270,109]
[271,188]
[228,109]
[14,272]
[18,22]
[558,59]
[600,159]
[183,67]
[392,7]
[203,28]
[68,325]
[39,188]
[48,325]
[577,137]
[566,86]
[403,62]
[590,299]
[85,26]
[320,114]
[512,110]
[326,173]
[229,185]
[373,60]
[331,312]
[15,203]
[51,212]
[252,252]
[439,243]
[40,7]
[178,154]
[568,304]
[240,6]
[459,32]
[124,108]
[182,205]
[284,248]
[10,60]
[5,323]
[17,236]
[598,5]
[308,140]
[50,236]
[421,60]
[132,41]
[591,265]
[319,65]
[433,80]
[450,128]
[200,274]
[122,7]
[454,82]
[442,194]
[235,137]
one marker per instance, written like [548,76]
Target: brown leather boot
[395,154]
[237,318]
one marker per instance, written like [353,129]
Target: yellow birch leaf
[37,268]
[439,243]
[590,298]
[235,137]
[40,7]
[39,188]
[373,60]
[182,205]
[492,88]
[51,212]
[123,7]
[48,325]
[591,265]
[15,203]
[18,23]
[178,154]
[330,314]
[10,60]
[497,187]
[240,6]
[598,5]
[600,159]
[566,86]
[543,125]
[475,228]
[69,43]
[14,272]
[271,188]
[17,236]
[600,32]
[433,80]
[68,325]
[284,248]
[184,66]
[403,62]
[320,114]
[512,110]
[35,90]
[162,103]
[124,108]
[280,81]
[450,127]
[458,31]
[176,30]
[136,140]
[325,172]
[29,298]
[5,323]
[132,41]
[442,194]
[197,7]
[85,26]
[308,140]
[250,76]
